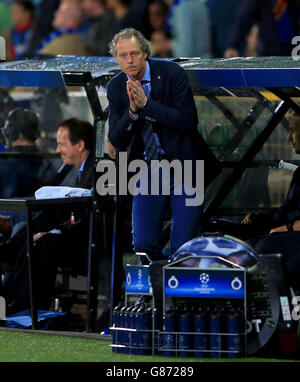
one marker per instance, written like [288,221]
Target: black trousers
[50,252]
[285,243]
[256,235]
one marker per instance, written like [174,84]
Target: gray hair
[127,33]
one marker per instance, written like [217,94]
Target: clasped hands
[137,99]
[136,94]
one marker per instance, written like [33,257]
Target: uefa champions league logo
[204,278]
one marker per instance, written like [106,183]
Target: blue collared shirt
[83,163]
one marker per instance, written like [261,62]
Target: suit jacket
[261,12]
[172,112]
[72,241]
[86,180]
[288,212]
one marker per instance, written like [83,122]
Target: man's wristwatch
[289,226]
[133,112]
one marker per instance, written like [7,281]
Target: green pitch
[27,347]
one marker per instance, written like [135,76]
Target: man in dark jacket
[278,23]
[282,227]
[64,245]
[22,176]
[152,112]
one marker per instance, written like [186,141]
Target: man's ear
[81,145]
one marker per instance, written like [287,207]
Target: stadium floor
[25,345]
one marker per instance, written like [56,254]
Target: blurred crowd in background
[176,28]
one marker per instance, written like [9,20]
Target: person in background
[65,244]
[22,15]
[21,176]
[66,39]
[141,7]
[100,19]
[222,13]
[161,45]
[125,16]
[277,22]
[189,25]
[158,14]
[42,25]
[281,228]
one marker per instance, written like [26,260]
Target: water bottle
[121,334]
[128,325]
[156,338]
[236,325]
[138,337]
[200,326]
[146,326]
[134,325]
[116,324]
[216,326]
[169,333]
[144,329]
[185,326]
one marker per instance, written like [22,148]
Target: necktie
[151,148]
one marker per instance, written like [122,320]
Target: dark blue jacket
[172,112]
[222,12]
[260,12]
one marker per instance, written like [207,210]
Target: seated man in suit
[65,244]
[21,176]
[281,227]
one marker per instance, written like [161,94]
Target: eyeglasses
[133,55]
